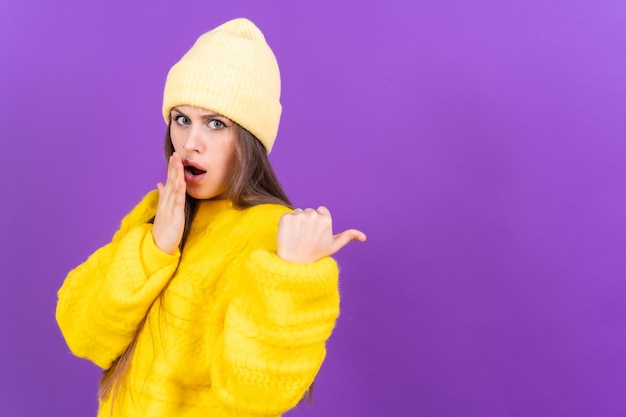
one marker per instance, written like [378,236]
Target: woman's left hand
[307,235]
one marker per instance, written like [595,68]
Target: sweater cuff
[152,258]
[316,277]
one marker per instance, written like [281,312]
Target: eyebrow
[206,116]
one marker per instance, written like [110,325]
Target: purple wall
[481,146]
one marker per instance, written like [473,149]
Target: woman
[214,298]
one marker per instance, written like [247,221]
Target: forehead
[195,111]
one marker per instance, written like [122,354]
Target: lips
[193,172]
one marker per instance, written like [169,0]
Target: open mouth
[193,170]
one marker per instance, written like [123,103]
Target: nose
[192,144]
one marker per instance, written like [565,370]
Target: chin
[199,195]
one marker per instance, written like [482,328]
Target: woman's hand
[307,236]
[169,221]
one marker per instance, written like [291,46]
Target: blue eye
[216,124]
[182,120]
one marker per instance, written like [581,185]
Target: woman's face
[205,141]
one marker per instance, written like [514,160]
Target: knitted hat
[230,70]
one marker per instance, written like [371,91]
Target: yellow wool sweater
[231,329]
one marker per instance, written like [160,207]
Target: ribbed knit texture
[230,70]
[237,332]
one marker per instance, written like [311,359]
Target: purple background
[479,144]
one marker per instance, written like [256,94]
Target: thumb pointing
[342,239]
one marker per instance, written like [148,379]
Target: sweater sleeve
[103,301]
[275,330]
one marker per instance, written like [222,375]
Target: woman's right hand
[169,221]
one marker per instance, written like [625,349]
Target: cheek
[230,161]
[177,141]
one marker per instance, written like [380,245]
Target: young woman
[214,298]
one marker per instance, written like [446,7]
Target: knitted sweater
[231,328]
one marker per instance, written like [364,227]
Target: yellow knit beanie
[230,70]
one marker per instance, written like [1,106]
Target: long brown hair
[254,182]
